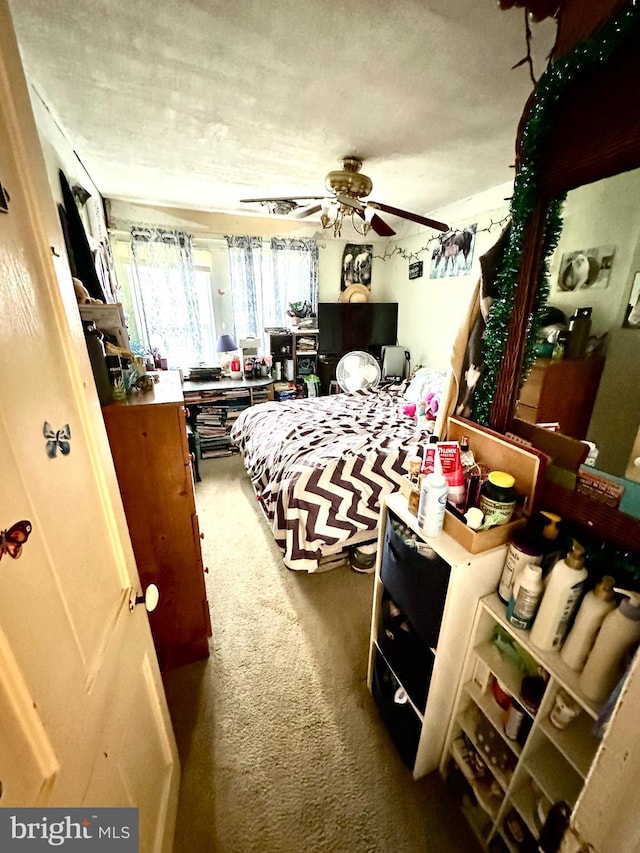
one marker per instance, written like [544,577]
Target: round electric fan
[357,371]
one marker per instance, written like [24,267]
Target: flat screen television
[347,326]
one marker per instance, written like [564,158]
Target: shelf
[468,722]
[552,772]
[493,712]
[482,788]
[508,673]
[576,743]
[553,764]
[524,801]
[550,661]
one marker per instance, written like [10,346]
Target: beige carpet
[280,742]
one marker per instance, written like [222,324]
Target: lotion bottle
[561,596]
[596,605]
[619,635]
[525,596]
[524,548]
[433,501]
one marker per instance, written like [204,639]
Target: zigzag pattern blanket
[319,466]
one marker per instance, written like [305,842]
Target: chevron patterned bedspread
[320,465]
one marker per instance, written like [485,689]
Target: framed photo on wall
[584,269]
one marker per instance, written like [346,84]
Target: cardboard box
[498,453]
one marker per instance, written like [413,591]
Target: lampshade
[226,343]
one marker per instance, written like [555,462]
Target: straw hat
[355,293]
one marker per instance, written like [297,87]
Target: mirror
[579,127]
[593,392]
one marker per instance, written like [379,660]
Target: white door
[83,718]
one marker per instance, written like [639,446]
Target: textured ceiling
[201,103]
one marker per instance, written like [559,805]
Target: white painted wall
[430,310]
[601,214]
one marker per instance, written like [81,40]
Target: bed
[319,466]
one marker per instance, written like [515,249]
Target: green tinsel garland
[592,53]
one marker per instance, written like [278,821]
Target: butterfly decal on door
[57,440]
[12,540]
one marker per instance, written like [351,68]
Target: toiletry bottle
[525,547]
[562,593]
[596,605]
[498,496]
[428,459]
[525,596]
[619,635]
[433,500]
[550,540]
[579,329]
[467,458]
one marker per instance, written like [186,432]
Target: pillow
[425,381]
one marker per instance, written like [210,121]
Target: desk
[214,406]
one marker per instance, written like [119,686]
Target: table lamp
[226,344]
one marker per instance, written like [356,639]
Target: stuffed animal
[427,408]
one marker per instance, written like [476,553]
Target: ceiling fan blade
[380,226]
[350,201]
[303,212]
[413,217]
[282,198]
[377,223]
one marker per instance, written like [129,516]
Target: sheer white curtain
[165,287]
[265,281]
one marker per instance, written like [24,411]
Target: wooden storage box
[500,454]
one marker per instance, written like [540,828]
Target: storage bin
[399,717]
[416,582]
[498,453]
[407,654]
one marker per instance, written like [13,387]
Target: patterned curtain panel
[261,291]
[295,277]
[165,283]
[245,278]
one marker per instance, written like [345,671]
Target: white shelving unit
[550,764]
[470,576]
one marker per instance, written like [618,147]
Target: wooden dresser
[148,438]
[562,391]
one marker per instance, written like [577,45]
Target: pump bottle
[619,635]
[561,596]
[596,605]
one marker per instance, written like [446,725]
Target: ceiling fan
[347,189]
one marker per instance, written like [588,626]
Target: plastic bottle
[550,540]
[619,634]
[498,497]
[429,455]
[524,548]
[561,596]
[596,605]
[525,596]
[579,329]
[433,501]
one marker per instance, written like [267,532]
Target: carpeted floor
[280,742]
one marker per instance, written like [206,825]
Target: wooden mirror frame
[579,152]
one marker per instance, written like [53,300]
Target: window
[160,315]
